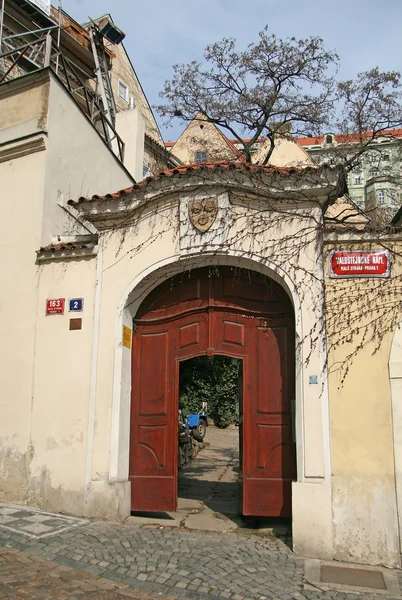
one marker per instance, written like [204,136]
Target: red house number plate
[55,307]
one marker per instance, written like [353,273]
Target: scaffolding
[31,40]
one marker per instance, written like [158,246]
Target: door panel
[153,440]
[228,333]
[269,451]
[191,337]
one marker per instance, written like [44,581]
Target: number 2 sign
[76,304]
[55,307]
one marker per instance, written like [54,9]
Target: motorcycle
[185,442]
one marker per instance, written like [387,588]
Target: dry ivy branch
[357,311]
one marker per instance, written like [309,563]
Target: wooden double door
[205,312]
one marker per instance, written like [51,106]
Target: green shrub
[214,380]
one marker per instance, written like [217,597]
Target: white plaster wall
[287,153]
[22,182]
[61,387]
[395,373]
[71,160]
[79,163]
[364,500]
[130,125]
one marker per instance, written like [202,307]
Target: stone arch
[132,297]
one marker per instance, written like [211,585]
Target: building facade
[376,180]
[91,261]
[99,437]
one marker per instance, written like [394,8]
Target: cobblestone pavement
[156,561]
[202,552]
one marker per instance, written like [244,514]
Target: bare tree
[275,86]
[257,92]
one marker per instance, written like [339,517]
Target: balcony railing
[21,55]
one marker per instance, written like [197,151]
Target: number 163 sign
[55,307]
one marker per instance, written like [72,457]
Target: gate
[211,311]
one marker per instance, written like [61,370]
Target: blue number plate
[76,304]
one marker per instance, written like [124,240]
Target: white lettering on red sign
[55,307]
[359,263]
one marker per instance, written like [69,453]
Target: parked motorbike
[185,442]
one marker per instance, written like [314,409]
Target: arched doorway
[215,310]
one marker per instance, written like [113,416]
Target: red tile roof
[65,248]
[345,138]
[196,167]
[310,141]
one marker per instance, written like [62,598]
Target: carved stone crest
[202,213]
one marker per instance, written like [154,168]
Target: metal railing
[19,57]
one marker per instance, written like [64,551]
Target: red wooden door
[154,407]
[153,421]
[269,460]
[214,314]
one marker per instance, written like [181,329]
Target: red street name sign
[359,263]
[55,307]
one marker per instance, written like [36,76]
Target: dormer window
[200,156]
[329,139]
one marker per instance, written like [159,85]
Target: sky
[160,33]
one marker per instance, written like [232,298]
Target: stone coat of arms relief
[202,213]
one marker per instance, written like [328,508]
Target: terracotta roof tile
[65,248]
[346,138]
[192,168]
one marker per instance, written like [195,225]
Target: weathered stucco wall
[365,519]
[24,106]
[395,373]
[124,70]
[78,163]
[23,109]
[287,153]
[61,390]
[49,150]
[205,137]
[21,195]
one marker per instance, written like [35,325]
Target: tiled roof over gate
[194,168]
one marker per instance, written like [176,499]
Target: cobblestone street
[158,562]
[48,557]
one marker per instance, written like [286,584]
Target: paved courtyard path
[47,557]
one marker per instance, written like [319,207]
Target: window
[381,197]
[373,157]
[146,171]
[358,179]
[385,156]
[329,139]
[200,156]
[374,173]
[358,200]
[123,90]
[394,197]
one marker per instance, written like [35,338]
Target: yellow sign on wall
[127,333]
